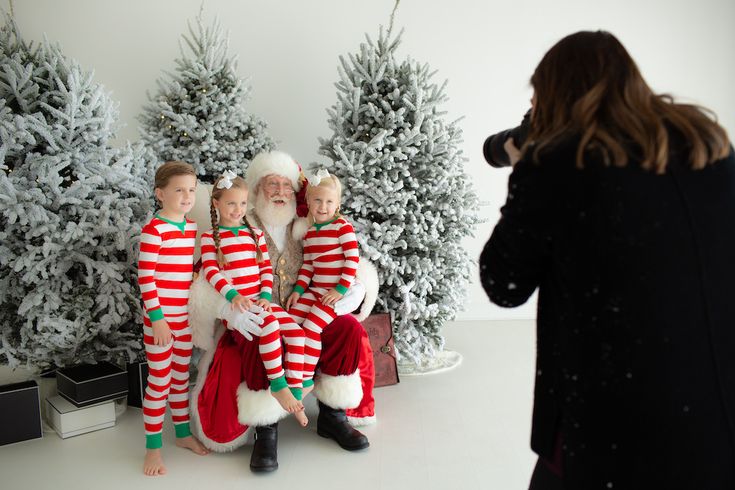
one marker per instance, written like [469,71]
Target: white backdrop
[486,49]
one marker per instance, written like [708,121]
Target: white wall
[487,50]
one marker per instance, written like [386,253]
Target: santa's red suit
[232,392]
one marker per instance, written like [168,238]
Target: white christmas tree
[405,189]
[70,213]
[197,114]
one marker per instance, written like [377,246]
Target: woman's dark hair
[588,86]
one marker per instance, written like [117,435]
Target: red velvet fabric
[217,402]
[237,360]
[341,346]
[366,408]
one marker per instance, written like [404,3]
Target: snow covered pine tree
[70,211]
[197,115]
[405,190]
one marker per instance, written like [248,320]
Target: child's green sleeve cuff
[155,315]
[340,289]
[266,296]
[231,295]
[298,289]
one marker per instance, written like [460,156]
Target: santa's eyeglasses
[284,188]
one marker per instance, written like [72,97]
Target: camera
[493,149]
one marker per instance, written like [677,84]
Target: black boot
[265,450]
[333,424]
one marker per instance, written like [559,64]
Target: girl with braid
[165,269]
[235,262]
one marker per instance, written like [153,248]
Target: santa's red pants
[237,361]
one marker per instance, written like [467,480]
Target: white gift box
[69,420]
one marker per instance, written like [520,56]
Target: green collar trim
[319,226]
[234,229]
[180,225]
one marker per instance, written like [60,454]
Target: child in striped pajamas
[241,252]
[330,264]
[165,268]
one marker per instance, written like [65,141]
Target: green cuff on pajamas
[182,430]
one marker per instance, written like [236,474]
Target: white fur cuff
[362,421]
[204,308]
[368,275]
[256,408]
[339,392]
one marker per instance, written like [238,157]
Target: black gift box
[137,381]
[88,384]
[20,406]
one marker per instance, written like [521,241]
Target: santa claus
[232,389]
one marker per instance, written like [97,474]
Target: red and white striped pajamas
[330,262]
[254,281]
[165,270]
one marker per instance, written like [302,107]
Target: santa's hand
[244,322]
[351,300]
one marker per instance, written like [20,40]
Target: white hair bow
[225,182]
[316,179]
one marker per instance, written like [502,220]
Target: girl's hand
[292,300]
[331,297]
[265,304]
[161,333]
[241,303]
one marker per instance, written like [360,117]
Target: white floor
[463,429]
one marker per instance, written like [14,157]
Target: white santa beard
[275,218]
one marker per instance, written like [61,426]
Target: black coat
[636,316]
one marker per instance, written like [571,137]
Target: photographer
[621,210]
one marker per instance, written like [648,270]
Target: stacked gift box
[85,402]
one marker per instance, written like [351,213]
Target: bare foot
[153,463]
[306,391]
[192,443]
[301,417]
[287,400]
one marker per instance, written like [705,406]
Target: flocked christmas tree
[70,213]
[197,115]
[405,189]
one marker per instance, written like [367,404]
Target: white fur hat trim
[273,163]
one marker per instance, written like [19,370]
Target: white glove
[351,300]
[246,323]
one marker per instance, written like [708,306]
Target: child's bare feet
[153,463]
[287,400]
[192,443]
[305,391]
[301,417]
